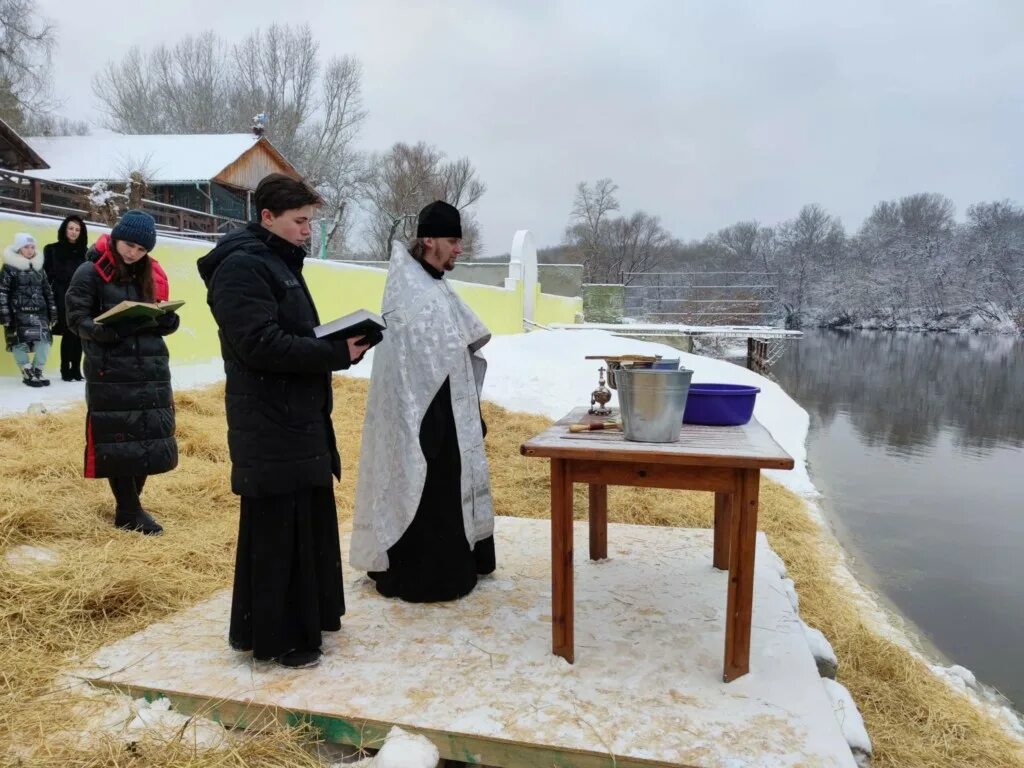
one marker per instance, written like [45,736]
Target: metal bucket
[652,402]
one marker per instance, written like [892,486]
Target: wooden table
[724,460]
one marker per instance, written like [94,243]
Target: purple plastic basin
[720,405]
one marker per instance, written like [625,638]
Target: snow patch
[26,557]
[850,721]
[821,649]
[401,750]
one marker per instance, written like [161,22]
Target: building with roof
[210,173]
[15,153]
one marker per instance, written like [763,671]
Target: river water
[917,443]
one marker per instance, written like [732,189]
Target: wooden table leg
[598,522]
[723,515]
[562,609]
[740,602]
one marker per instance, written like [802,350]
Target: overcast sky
[704,113]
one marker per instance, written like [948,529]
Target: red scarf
[106,267]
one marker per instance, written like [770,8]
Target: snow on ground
[850,721]
[403,750]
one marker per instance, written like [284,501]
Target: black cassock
[432,561]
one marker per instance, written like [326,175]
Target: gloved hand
[134,325]
[98,332]
[168,322]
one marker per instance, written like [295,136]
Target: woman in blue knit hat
[129,428]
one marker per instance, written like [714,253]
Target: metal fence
[703,298]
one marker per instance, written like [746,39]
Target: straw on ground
[106,585]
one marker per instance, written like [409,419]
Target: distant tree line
[910,261]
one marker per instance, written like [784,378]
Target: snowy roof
[170,158]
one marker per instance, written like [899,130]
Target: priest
[424,519]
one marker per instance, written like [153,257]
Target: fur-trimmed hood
[15,260]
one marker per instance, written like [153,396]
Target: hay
[107,584]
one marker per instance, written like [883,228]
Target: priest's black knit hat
[439,219]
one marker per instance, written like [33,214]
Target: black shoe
[38,376]
[28,378]
[77,376]
[140,521]
[66,377]
[299,659]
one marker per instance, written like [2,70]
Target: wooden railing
[26,194]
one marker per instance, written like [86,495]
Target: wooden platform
[478,678]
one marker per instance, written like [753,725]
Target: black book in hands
[362,322]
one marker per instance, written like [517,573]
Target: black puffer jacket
[61,260]
[278,394]
[130,420]
[27,308]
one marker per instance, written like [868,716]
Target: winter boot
[38,376]
[28,378]
[299,659]
[140,520]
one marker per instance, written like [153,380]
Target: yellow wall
[337,289]
[556,309]
[341,288]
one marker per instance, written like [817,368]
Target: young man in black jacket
[288,585]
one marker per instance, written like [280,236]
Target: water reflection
[917,442]
[901,390]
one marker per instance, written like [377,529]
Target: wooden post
[740,601]
[37,196]
[598,522]
[181,221]
[757,355]
[562,608]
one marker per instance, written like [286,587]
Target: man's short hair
[278,193]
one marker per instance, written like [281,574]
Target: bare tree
[43,124]
[405,179]
[26,45]
[586,231]
[748,245]
[201,84]
[635,243]
[326,147]
[906,246]
[810,248]
[995,243]
[276,72]
[132,103]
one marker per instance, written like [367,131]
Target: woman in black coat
[61,259]
[130,420]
